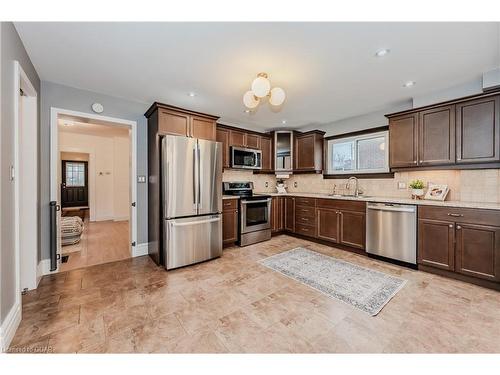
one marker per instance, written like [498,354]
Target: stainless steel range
[254,222]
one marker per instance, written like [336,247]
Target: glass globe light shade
[277,96]
[250,100]
[261,86]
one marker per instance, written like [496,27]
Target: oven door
[255,215]
[246,158]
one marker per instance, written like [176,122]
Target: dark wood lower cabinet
[230,222]
[462,242]
[277,217]
[478,251]
[289,214]
[352,228]
[436,243]
[328,224]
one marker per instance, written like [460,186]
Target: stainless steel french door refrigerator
[191,173]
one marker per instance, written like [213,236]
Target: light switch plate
[141,179]
[401,185]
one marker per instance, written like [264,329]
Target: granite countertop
[230,197]
[484,205]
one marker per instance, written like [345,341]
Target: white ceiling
[328,70]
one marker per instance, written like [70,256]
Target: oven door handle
[261,201]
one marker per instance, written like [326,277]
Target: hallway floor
[234,304]
[101,242]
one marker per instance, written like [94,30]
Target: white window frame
[355,140]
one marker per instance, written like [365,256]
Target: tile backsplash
[482,185]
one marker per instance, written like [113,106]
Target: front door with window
[74,187]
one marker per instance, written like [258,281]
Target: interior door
[74,186]
[179,176]
[210,177]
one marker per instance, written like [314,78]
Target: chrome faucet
[356,188]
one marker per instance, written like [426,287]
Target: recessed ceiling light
[283,122]
[382,52]
[68,123]
[409,84]
[191,94]
[247,111]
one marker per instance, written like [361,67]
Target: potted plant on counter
[417,189]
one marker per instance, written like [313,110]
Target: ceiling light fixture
[261,88]
[283,122]
[192,94]
[382,52]
[409,84]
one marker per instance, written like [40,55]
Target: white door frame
[54,162]
[29,254]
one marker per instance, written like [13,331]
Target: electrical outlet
[295,184]
[141,179]
[401,185]
[267,184]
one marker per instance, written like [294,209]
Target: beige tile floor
[101,242]
[233,304]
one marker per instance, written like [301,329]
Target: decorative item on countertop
[417,189]
[281,187]
[437,192]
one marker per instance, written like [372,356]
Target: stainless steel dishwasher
[391,231]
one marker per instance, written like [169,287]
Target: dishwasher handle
[392,208]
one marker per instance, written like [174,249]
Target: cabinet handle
[455,215]
[451,225]
[414,162]
[459,227]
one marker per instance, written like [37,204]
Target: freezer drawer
[192,240]
[391,231]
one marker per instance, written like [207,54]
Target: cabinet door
[328,224]
[436,138]
[277,214]
[478,251]
[229,226]
[252,140]
[478,128]
[290,214]
[222,135]
[170,122]
[352,228]
[265,146]
[403,138]
[203,128]
[436,246]
[237,138]
[304,152]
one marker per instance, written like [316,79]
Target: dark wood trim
[327,243]
[359,175]
[448,102]
[359,132]
[230,127]
[157,105]
[458,276]
[493,165]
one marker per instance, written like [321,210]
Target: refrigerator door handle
[198,157]
[197,222]
[195,177]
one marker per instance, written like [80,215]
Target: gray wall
[70,98]
[11,49]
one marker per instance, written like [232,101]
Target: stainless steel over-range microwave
[246,158]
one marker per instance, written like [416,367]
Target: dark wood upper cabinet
[478,130]
[436,243]
[267,152]
[222,135]
[252,140]
[290,214]
[308,151]
[403,140]
[352,228]
[436,136]
[237,138]
[176,123]
[203,128]
[478,251]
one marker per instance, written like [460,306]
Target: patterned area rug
[366,289]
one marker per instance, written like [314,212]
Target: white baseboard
[121,218]
[140,250]
[9,326]
[44,268]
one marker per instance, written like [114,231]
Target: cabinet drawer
[305,201]
[303,219]
[305,230]
[229,204]
[461,215]
[339,204]
[308,211]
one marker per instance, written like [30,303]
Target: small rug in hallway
[366,289]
